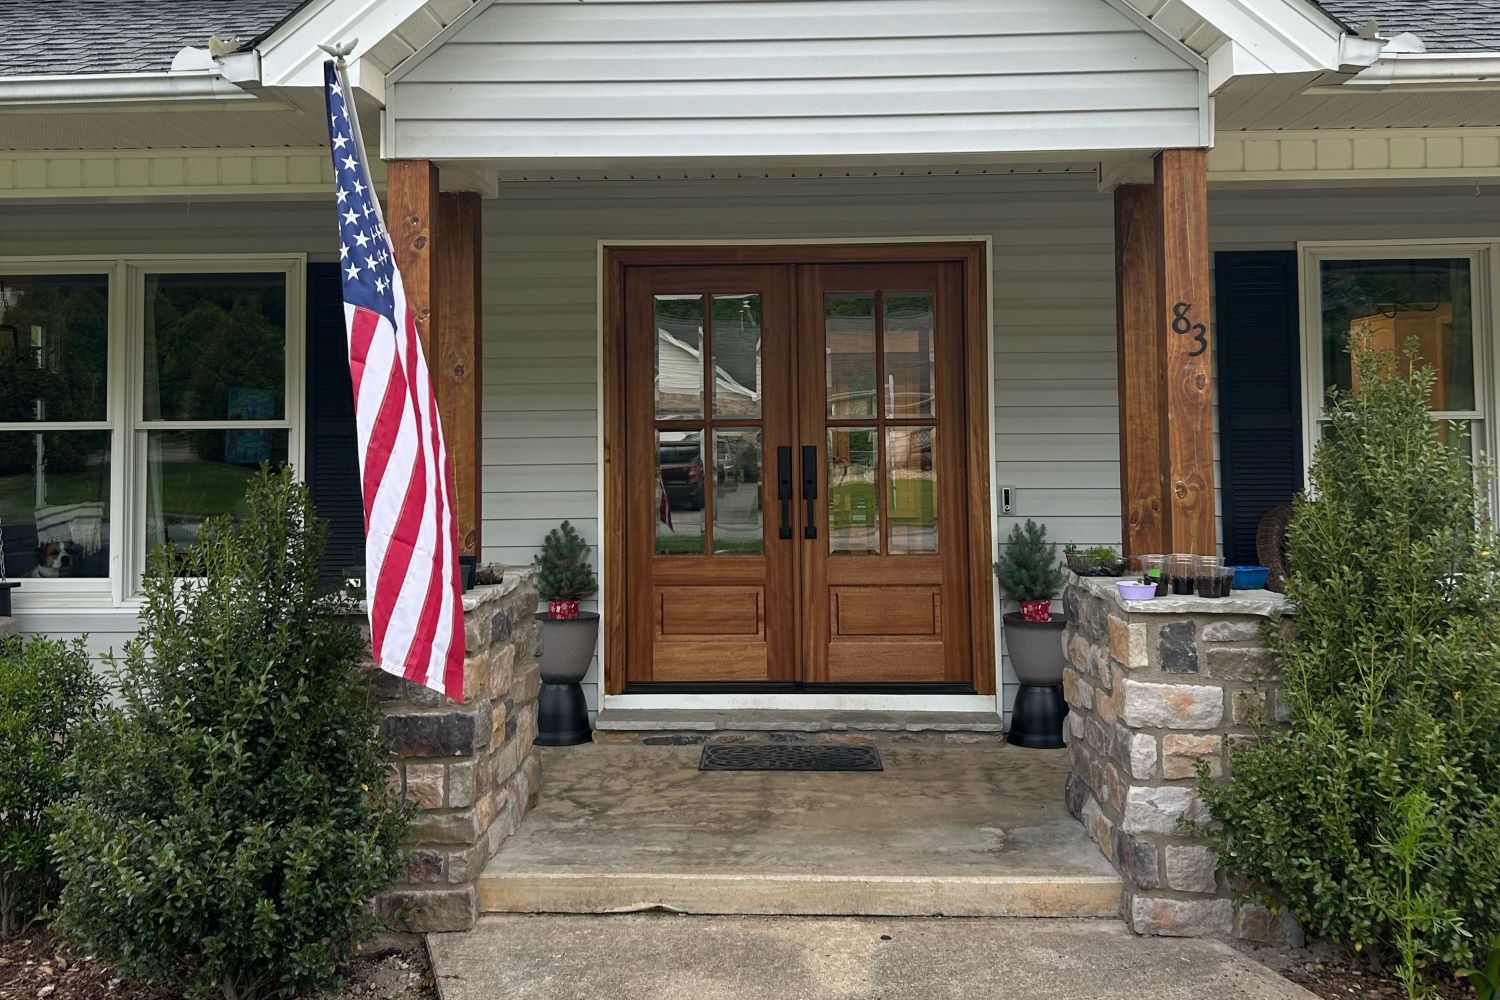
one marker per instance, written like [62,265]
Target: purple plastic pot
[1137,591]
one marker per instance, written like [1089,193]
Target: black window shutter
[332,464]
[1260,391]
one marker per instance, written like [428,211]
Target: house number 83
[1182,323]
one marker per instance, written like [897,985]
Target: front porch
[978,830]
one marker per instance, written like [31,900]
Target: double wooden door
[796,495]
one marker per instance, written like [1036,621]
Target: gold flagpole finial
[339,50]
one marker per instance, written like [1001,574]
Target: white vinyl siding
[670,80]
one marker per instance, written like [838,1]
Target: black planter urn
[566,649]
[1036,656]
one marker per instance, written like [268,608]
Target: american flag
[411,535]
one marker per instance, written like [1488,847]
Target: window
[1435,297]
[136,398]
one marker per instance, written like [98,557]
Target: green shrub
[1374,817]
[48,692]
[563,572]
[1028,569]
[234,819]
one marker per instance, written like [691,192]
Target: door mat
[788,757]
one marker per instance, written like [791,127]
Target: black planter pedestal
[1036,721]
[562,716]
[566,646]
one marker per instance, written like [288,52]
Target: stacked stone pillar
[469,770]
[1154,688]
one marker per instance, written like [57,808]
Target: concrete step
[791,893]
[681,727]
[958,830]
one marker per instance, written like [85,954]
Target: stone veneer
[1153,688]
[8,626]
[468,769]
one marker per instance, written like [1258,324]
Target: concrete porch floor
[958,831]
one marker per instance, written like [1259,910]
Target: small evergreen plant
[1028,569]
[563,572]
[1374,816]
[234,817]
[48,693]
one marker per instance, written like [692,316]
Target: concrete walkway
[671,957]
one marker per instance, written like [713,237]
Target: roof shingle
[63,37]
[1444,25]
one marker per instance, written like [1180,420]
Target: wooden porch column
[1137,285]
[1186,402]
[1166,367]
[456,364]
[411,213]
[437,241]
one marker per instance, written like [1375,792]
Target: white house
[964,262]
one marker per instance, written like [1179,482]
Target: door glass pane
[853,501]
[680,492]
[1396,303]
[738,514]
[735,342]
[911,490]
[679,356]
[849,341]
[215,347]
[908,354]
[54,335]
[192,476]
[54,503]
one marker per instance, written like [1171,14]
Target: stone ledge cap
[1262,603]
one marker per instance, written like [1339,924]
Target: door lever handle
[784,487]
[810,488]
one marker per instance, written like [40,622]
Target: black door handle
[784,487]
[810,487]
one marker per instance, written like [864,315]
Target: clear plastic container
[1184,569]
[1154,570]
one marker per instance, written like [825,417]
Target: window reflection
[681,490]
[54,340]
[738,514]
[1399,303]
[192,476]
[215,347]
[853,501]
[907,340]
[679,356]
[849,337]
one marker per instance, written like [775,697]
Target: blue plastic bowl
[1250,577]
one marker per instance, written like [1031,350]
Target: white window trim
[124,402]
[1484,256]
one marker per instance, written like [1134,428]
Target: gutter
[1429,69]
[117,88]
[194,76]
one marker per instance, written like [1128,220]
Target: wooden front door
[796,497]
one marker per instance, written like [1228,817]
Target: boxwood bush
[234,817]
[1374,817]
[48,692]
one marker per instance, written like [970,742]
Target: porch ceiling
[1298,102]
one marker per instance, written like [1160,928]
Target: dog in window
[53,559]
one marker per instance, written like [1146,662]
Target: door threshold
[675,727]
[805,701]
